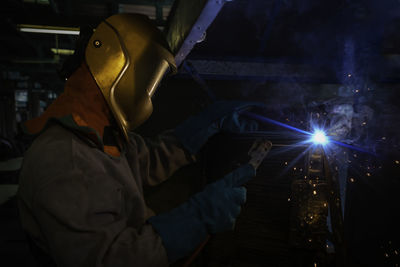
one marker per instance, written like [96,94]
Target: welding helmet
[128,56]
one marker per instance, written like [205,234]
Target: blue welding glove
[211,211]
[220,116]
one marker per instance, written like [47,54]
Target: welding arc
[265,119]
[353,147]
[268,120]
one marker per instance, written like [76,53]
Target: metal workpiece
[310,205]
[308,215]
[316,164]
[316,222]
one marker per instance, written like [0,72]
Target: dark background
[339,59]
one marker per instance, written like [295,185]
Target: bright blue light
[319,138]
[327,139]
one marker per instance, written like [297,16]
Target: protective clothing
[211,211]
[86,208]
[219,116]
[81,196]
[128,57]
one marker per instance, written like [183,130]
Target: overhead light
[48,29]
[60,51]
[40,2]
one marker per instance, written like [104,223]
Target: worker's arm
[157,158]
[84,222]
[225,116]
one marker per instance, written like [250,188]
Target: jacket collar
[82,108]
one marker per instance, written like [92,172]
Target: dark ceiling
[293,32]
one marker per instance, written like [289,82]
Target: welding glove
[220,116]
[211,211]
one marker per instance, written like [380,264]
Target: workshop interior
[327,73]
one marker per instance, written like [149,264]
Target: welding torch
[257,153]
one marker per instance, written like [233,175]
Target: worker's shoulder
[54,144]
[53,154]
[47,157]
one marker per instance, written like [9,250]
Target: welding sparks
[319,136]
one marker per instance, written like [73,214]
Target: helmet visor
[159,72]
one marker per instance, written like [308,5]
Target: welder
[81,185]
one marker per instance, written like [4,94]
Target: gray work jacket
[86,208]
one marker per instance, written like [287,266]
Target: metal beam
[188,23]
[277,72]
[238,70]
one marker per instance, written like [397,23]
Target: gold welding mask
[128,57]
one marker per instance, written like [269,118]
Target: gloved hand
[220,116]
[236,124]
[211,211]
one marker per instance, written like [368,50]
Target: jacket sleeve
[84,224]
[157,158]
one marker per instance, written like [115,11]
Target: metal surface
[253,70]
[314,197]
[310,207]
[189,23]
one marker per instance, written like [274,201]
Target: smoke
[345,40]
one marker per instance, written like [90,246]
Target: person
[81,185]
